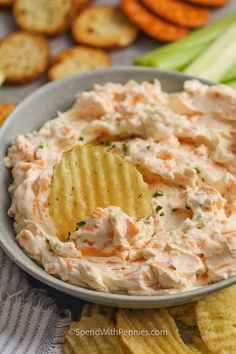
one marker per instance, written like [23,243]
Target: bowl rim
[125,300]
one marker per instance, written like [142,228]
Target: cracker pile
[213,317]
[96,30]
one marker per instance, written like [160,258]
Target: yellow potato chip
[67,348]
[154,322]
[94,342]
[184,313]
[198,346]
[88,177]
[90,310]
[216,319]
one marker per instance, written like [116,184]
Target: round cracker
[49,18]
[23,57]
[210,3]
[78,59]
[151,24]
[104,27]
[176,11]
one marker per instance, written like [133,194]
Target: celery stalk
[230,75]
[179,54]
[214,63]
[232,84]
[2,78]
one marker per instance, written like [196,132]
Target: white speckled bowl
[35,110]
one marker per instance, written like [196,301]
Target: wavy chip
[198,346]
[216,319]
[167,342]
[89,310]
[184,313]
[105,344]
[88,177]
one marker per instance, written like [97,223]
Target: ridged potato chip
[90,310]
[94,343]
[168,342]
[198,346]
[184,313]
[216,319]
[67,348]
[88,177]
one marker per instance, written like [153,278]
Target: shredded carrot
[45,205]
[163,264]
[24,237]
[43,185]
[233,148]
[118,96]
[168,167]
[191,243]
[132,229]
[35,205]
[136,99]
[51,270]
[66,129]
[95,252]
[98,213]
[40,164]
[167,156]
[228,232]
[68,264]
[223,265]
[24,168]
[130,273]
[89,228]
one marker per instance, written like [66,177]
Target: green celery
[217,59]
[179,54]
[230,75]
[232,84]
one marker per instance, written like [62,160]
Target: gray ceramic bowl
[43,105]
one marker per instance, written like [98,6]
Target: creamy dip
[183,143]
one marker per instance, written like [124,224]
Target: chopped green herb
[148,147]
[162,213]
[80,224]
[108,143]
[158,208]
[147,220]
[197,169]
[187,207]
[80,138]
[125,147]
[158,194]
[41,146]
[140,195]
[174,210]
